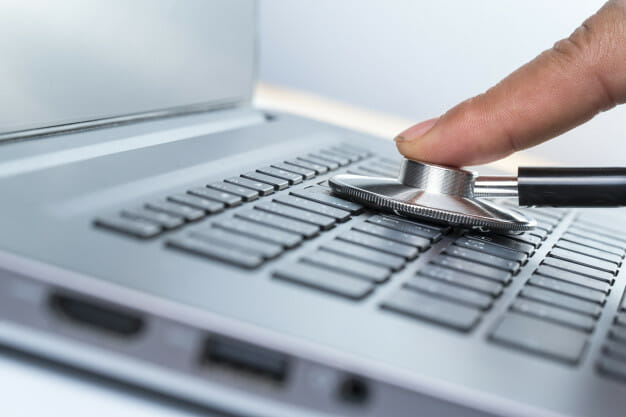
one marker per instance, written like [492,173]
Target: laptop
[160,231]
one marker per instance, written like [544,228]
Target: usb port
[97,315]
[245,357]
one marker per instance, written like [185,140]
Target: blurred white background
[416,59]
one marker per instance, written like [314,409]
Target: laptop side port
[245,358]
[97,315]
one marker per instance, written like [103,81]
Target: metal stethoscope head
[457,196]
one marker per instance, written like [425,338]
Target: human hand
[563,87]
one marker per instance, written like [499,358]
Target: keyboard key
[324,222]
[491,249]
[335,154]
[293,178]
[555,314]
[320,161]
[540,233]
[468,267]
[577,279]
[237,241]
[578,234]
[615,350]
[591,231]
[352,156]
[579,269]
[431,309]
[323,209]
[363,153]
[305,229]
[349,266]
[366,173]
[215,251]
[320,195]
[365,254]
[441,289]
[561,300]
[540,337]
[585,250]
[504,242]
[305,172]
[583,260]
[591,243]
[331,159]
[612,367]
[229,199]
[319,169]
[377,170]
[618,333]
[325,280]
[167,221]
[460,278]
[345,150]
[482,258]
[261,187]
[620,319]
[397,236]
[406,227]
[259,231]
[277,183]
[528,238]
[380,244]
[199,203]
[245,193]
[567,288]
[134,227]
[185,212]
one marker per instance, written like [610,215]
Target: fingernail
[417,130]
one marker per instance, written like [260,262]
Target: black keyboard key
[585,250]
[365,254]
[567,288]
[406,238]
[341,161]
[323,209]
[215,251]
[468,267]
[377,243]
[483,258]
[305,172]
[305,229]
[554,314]
[323,196]
[199,203]
[229,199]
[406,227]
[577,279]
[319,169]
[579,269]
[591,243]
[261,187]
[462,279]
[441,289]
[504,242]
[349,266]
[324,222]
[540,337]
[259,231]
[292,177]
[320,161]
[134,227]
[236,241]
[325,280]
[434,310]
[246,193]
[540,233]
[182,211]
[491,249]
[561,300]
[167,221]
[277,183]
[583,260]
[528,238]
[612,367]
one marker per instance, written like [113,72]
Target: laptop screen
[72,61]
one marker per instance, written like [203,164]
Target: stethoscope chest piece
[432,192]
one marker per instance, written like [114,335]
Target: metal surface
[436,193]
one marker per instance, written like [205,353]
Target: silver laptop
[158,230]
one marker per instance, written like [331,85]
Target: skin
[560,89]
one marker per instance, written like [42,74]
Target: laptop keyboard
[553,314]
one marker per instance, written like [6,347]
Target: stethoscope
[459,197]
